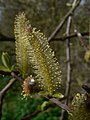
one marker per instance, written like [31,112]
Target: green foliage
[6,61]
[15,107]
[50,114]
[32,48]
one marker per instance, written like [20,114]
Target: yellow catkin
[32,48]
[80,111]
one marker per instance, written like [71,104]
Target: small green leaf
[44,105]
[12,67]
[3,68]
[6,60]
[58,95]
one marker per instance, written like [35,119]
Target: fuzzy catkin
[33,52]
[80,111]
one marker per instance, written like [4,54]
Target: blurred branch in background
[3,92]
[62,38]
[55,32]
[7,87]
[5,38]
[28,117]
[68,59]
[80,37]
[53,100]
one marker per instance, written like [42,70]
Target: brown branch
[7,87]
[58,103]
[55,32]
[53,100]
[16,76]
[5,73]
[68,59]
[86,88]
[31,115]
[8,73]
[3,92]
[79,35]
[63,38]
[5,38]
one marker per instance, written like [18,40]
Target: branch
[31,115]
[55,32]
[68,59]
[17,76]
[62,38]
[79,35]
[14,74]
[5,38]
[4,72]
[53,100]
[58,103]
[7,87]
[70,36]
[3,92]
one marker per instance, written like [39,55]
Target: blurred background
[44,15]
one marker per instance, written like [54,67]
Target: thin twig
[3,92]
[6,88]
[16,76]
[79,35]
[6,73]
[63,38]
[58,103]
[31,115]
[55,32]
[68,59]
[54,100]
[5,38]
